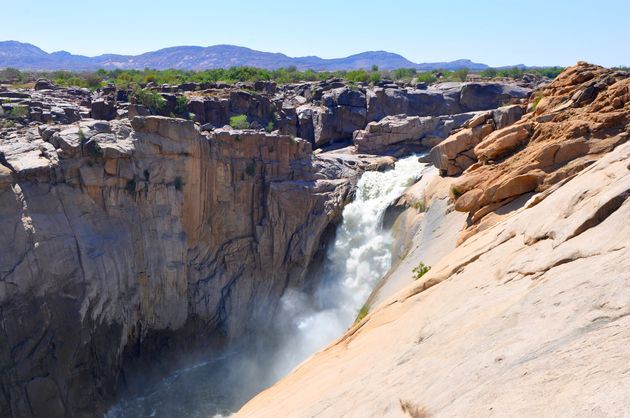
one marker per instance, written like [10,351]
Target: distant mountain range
[29,57]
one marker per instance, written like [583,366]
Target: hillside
[29,57]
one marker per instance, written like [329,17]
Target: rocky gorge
[131,234]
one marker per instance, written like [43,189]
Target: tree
[461,74]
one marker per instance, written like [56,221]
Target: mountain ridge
[191,57]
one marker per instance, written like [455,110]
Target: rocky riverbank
[526,312]
[129,235]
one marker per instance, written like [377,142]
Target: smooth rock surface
[529,317]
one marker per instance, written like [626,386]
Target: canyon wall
[121,237]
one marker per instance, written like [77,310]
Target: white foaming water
[358,258]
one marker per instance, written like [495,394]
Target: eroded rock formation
[579,117]
[116,236]
[528,315]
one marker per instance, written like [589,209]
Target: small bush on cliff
[362,313]
[181,106]
[419,206]
[455,192]
[358,76]
[404,73]
[150,99]
[7,124]
[420,270]
[270,127]
[18,112]
[537,100]
[239,122]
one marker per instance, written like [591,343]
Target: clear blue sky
[495,32]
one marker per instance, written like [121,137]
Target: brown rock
[518,185]
[502,142]
[469,200]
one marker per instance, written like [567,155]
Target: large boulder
[502,142]
[414,132]
[455,154]
[484,96]
[44,84]
[103,109]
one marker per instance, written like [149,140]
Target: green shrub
[7,124]
[181,106]
[270,126]
[250,168]
[489,73]
[358,76]
[419,206]
[150,99]
[460,74]
[362,313]
[12,75]
[92,80]
[537,100]
[455,192]
[426,77]
[18,112]
[404,73]
[420,270]
[239,122]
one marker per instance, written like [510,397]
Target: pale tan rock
[526,318]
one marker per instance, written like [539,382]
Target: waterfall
[359,256]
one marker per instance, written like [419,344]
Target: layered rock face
[119,237]
[528,314]
[579,117]
[456,153]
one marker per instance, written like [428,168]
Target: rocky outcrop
[456,153]
[321,112]
[410,132]
[579,117]
[120,239]
[442,99]
[526,318]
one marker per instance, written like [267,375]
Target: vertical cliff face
[115,235]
